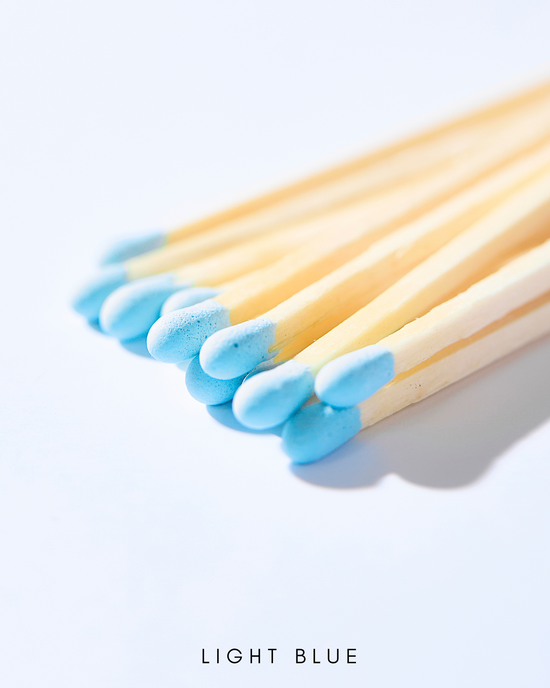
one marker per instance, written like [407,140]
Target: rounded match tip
[316,430]
[236,350]
[130,247]
[354,377]
[89,298]
[269,398]
[187,297]
[130,311]
[180,334]
[208,390]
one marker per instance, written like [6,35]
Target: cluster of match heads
[325,306]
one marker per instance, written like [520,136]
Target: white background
[136,530]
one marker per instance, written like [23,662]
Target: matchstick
[283,201]
[387,175]
[390,174]
[179,335]
[352,378]
[338,295]
[316,430]
[517,224]
[132,309]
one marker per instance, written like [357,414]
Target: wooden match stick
[385,175]
[350,379]
[328,301]
[298,200]
[517,224]
[318,429]
[520,222]
[364,222]
[131,309]
[388,174]
[171,339]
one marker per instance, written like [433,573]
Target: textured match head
[89,298]
[236,350]
[207,389]
[354,377]
[130,247]
[180,334]
[316,430]
[130,311]
[187,297]
[271,397]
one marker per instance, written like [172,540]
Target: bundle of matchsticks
[332,303]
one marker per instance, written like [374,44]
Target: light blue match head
[271,397]
[207,389]
[89,298]
[354,377]
[236,350]
[130,311]
[180,334]
[187,297]
[316,430]
[124,249]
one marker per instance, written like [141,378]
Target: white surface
[135,530]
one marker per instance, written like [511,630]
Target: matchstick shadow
[223,413]
[137,346]
[94,324]
[452,438]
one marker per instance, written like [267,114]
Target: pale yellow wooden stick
[264,289]
[272,397]
[260,251]
[391,174]
[520,281]
[369,219]
[132,309]
[257,207]
[317,430]
[520,222]
[511,332]
[306,313]
[252,255]
[313,311]
[352,378]
[328,302]
[487,113]
[386,174]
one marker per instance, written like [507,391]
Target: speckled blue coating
[89,298]
[316,430]
[352,378]
[125,249]
[187,297]
[180,334]
[271,397]
[183,365]
[207,389]
[130,311]
[236,350]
